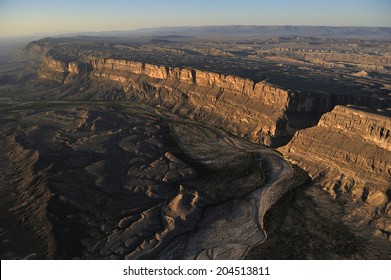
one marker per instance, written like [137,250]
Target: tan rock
[273,114]
[377,199]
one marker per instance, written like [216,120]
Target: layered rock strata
[259,112]
[349,154]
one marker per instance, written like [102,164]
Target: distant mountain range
[255,30]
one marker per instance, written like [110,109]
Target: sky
[39,17]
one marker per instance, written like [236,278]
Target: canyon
[204,118]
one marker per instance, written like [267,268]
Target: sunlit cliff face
[348,154]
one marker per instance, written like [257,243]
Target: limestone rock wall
[347,137]
[61,71]
[260,112]
[252,110]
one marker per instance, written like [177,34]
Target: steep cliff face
[348,154]
[61,71]
[255,111]
[346,137]
[259,112]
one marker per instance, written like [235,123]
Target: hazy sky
[23,17]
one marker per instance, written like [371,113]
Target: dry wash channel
[109,181]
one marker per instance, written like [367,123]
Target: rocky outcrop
[61,71]
[349,154]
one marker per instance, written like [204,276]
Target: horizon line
[73,33]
